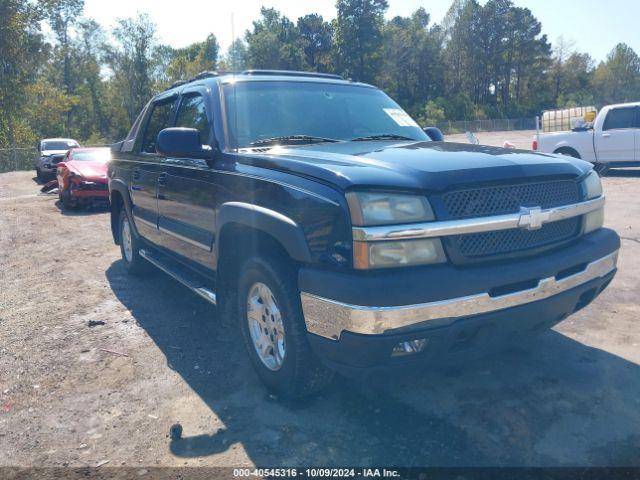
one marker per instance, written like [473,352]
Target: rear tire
[130,245]
[569,152]
[272,322]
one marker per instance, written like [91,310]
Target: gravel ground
[72,394]
[519,138]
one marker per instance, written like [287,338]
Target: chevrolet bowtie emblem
[532,218]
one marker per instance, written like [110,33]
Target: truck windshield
[101,155]
[270,112]
[58,145]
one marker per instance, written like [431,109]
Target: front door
[616,141]
[186,193]
[146,170]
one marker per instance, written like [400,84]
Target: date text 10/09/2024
[316,472]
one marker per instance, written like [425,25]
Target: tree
[274,43]
[236,57]
[618,78]
[317,38]
[22,51]
[62,16]
[198,57]
[132,61]
[496,56]
[358,37]
[412,66]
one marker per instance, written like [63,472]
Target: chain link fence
[494,125]
[22,158]
[12,159]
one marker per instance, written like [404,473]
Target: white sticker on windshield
[401,117]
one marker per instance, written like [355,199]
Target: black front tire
[68,202]
[39,175]
[130,245]
[301,373]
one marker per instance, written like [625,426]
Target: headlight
[387,254]
[592,185]
[368,208]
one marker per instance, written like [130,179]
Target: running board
[183,277]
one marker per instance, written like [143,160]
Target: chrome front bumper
[329,318]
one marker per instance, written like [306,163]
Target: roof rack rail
[292,73]
[177,84]
[205,74]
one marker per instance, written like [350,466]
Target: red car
[82,177]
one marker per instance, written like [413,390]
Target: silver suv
[50,152]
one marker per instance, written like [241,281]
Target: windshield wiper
[291,140]
[382,136]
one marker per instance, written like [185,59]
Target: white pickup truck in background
[613,141]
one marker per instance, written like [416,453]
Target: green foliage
[274,43]
[196,58]
[22,49]
[316,38]
[618,79]
[130,60]
[485,60]
[432,114]
[358,37]
[412,64]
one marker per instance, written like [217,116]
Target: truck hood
[95,171]
[409,165]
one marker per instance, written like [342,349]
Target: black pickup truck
[315,212]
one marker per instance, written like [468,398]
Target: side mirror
[61,165]
[182,143]
[434,134]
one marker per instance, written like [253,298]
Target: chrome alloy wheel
[266,326]
[127,245]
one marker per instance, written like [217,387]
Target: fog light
[593,220]
[409,348]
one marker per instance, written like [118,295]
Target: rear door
[617,140]
[186,195]
[146,169]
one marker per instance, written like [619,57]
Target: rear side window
[159,119]
[620,118]
[192,114]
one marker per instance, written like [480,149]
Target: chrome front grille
[515,240]
[497,200]
[507,199]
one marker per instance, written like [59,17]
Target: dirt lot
[519,138]
[569,397]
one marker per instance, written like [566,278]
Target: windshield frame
[231,144]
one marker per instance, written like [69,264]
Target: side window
[159,119]
[191,114]
[619,118]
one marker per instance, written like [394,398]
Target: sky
[593,26]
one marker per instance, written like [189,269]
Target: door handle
[606,135]
[162,179]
